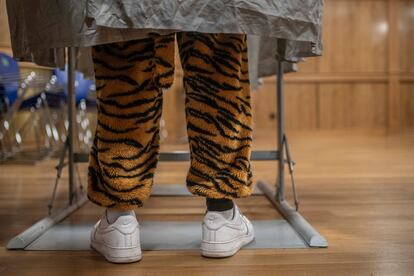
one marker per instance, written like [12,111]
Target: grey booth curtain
[41,29]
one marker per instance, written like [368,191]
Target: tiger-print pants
[130,78]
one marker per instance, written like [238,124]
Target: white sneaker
[222,237]
[118,242]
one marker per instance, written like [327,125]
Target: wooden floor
[356,188]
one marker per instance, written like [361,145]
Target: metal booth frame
[78,198]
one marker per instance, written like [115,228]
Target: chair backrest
[9,78]
[82,85]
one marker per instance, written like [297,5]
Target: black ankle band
[219,204]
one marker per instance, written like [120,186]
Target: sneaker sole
[121,255]
[236,246]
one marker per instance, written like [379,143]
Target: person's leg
[129,77]
[219,128]
[218,113]
[129,81]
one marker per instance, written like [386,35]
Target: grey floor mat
[168,235]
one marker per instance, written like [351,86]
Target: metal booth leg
[292,215]
[72,120]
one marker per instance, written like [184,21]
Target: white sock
[113,214]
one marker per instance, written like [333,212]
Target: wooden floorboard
[356,188]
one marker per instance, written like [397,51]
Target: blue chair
[9,78]
[82,86]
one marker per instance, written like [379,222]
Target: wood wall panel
[173,112]
[357,83]
[356,105]
[301,106]
[406,28]
[407,99]
[173,105]
[310,65]
[263,105]
[4,25]
[355,36]
[4,29]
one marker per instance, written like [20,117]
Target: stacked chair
[33,117]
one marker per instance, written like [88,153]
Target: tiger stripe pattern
[130,78]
